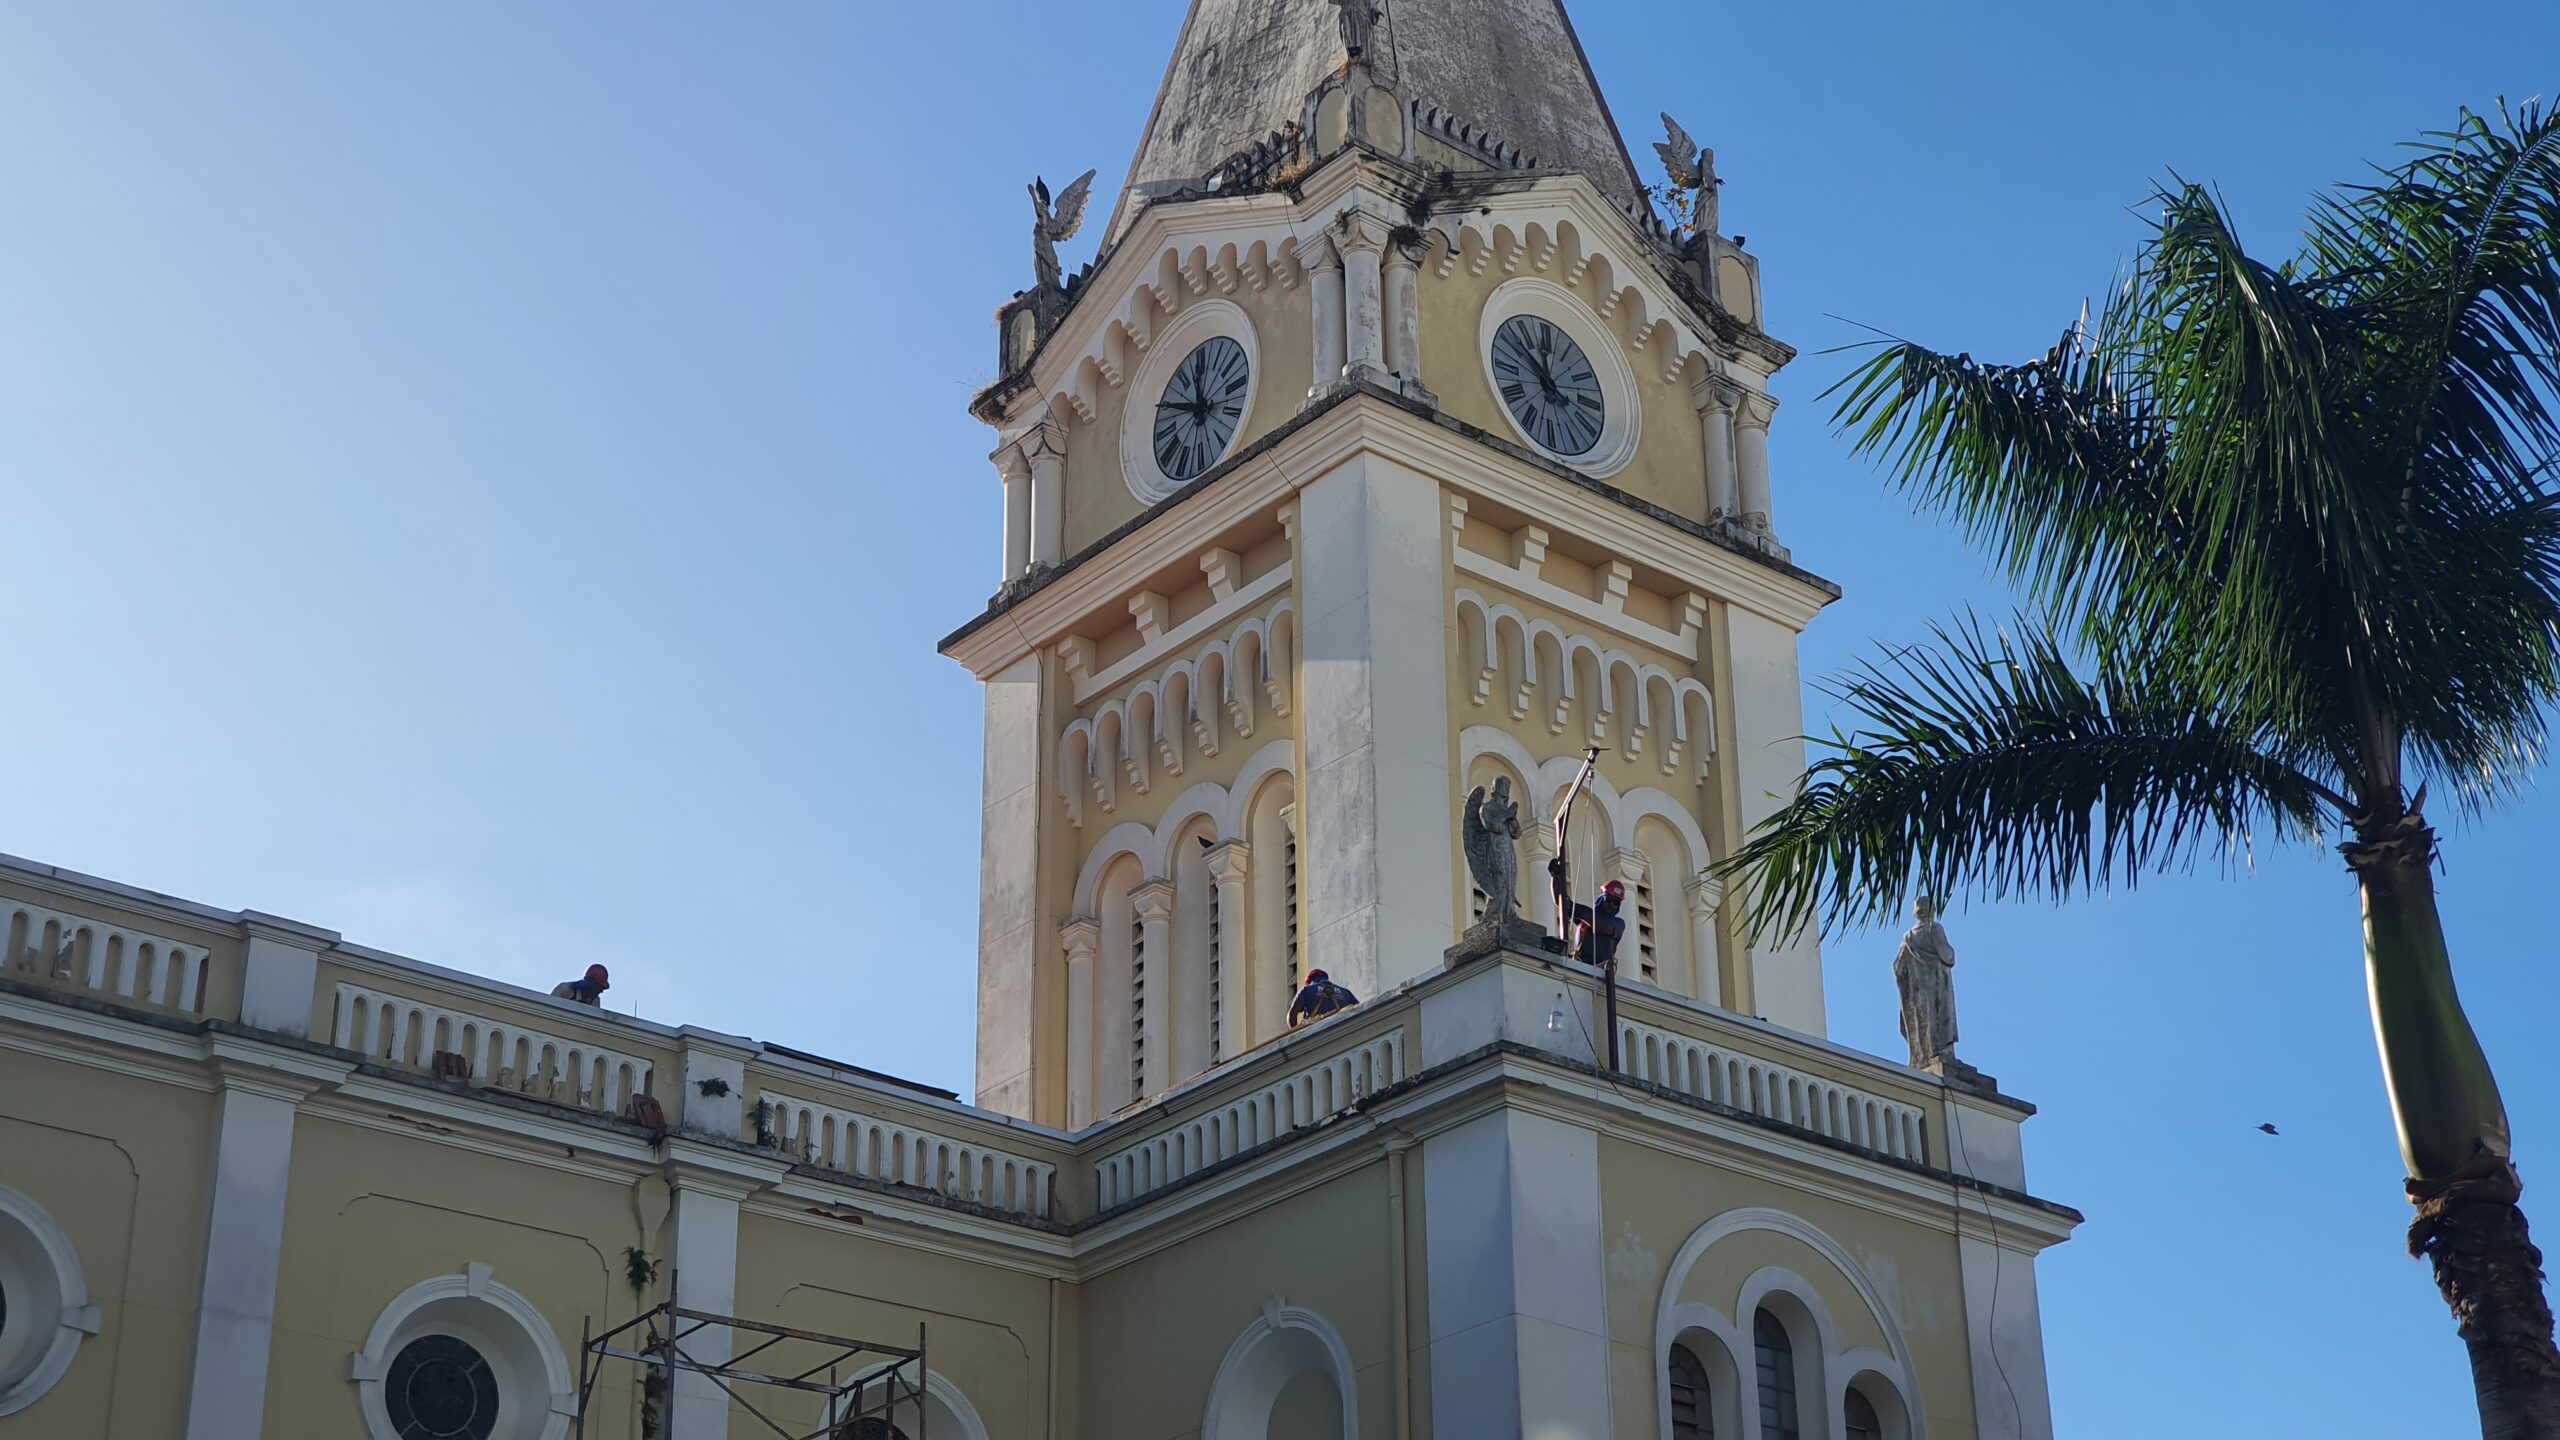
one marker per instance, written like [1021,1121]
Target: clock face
[1548,385]
[1203,405]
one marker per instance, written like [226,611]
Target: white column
[1377,801]
[1154,902]
[704,1263]
[1751,459]
[1046,448]
[1230,868]
[1705,895]
[244,1241]
[1363,239]
[1519,1319]
[1715,401]
[1082,941]
[1015,472]
[1404,318]
[1009,958]
[1325,294]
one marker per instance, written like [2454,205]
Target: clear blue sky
[489,479]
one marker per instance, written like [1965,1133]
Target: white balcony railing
[1745,1082]
[499,1054]
[104,960]
[897,1154]
[1295,1102]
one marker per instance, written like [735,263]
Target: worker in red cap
[587,991]
[1320,998]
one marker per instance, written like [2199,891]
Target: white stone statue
[1925,969]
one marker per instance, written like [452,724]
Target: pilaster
[1325,297]
[1081,942]
[1014,471]
[1705,897]
[254,1110]
[1156,979]
[1363,241]
[1403,260]
[1009,958]
[1716,400]
[1377,800]
[703,1261]
[1045,450]
[1519,1323]
[1751,466]
[1230,870]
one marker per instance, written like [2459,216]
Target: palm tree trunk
[2453,1135]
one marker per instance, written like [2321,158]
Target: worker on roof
[1320,998]
[588,990]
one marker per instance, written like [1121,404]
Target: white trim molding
[1622,424]
[1274,1350]
[506,1328]
[49,1313]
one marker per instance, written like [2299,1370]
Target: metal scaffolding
[867,1407]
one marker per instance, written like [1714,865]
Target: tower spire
[1512,70]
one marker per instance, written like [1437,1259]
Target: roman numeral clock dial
[1548,386]
[1202,408]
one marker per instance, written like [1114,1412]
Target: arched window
[44,1304]
[1692,1406]
[1861,1411]
[1776,1357]
[461,1357]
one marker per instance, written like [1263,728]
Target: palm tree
[2289,535]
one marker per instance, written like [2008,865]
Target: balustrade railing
[1302,1099]
[94,957]
[1746,1082]
[410,1034]
[895,1153]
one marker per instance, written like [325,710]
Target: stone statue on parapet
[1691,169]
[1925,970]
[1054,222]
[1492,842]
[1359,22]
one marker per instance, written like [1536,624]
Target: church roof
[1512,68]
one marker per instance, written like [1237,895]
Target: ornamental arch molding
[1227,806]
[948,1413]
[49,1313]
[538,1394]
[1282,1344]
[1825,1371]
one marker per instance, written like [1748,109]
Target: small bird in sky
[2266,1130]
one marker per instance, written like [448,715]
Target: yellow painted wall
[1155,1331]
[121,1164]
[372,1212]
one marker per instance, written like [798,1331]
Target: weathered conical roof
[1511,68]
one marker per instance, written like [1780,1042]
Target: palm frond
[1984,764]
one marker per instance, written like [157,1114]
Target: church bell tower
[1396,440]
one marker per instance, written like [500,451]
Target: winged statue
[1492,835]
[1054,221]
[1692,169]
